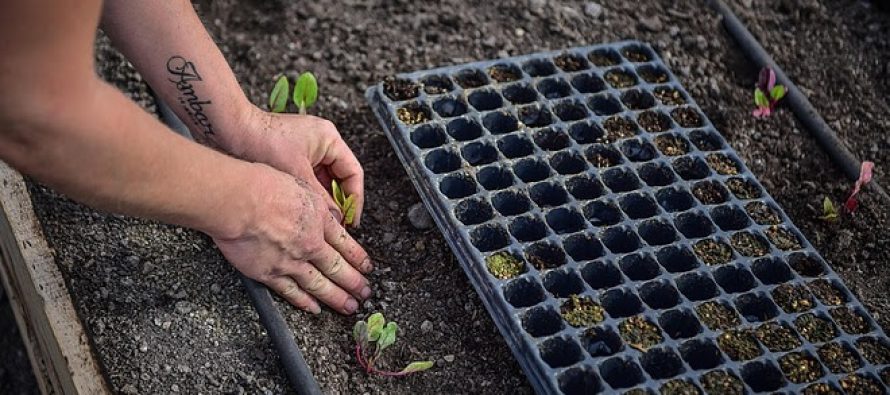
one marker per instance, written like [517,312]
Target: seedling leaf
[417,366]
[339,197]
[360,332]
[777,93]
[349,210]
[865,174]
[305,91]
[760,98]
[829,212]
[387,336]
[278,97]
[375,326]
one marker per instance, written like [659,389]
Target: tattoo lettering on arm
[184,75]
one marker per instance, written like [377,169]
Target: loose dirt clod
[827,292]
[504,265]
[717,316]
[762,214]
[783,239]
[713,252]
[654,122]
[860,384]
[777,337]
[874,350]
[820,389]
[669,96]
[739,345]
[838,358]
[800,367]
[850,321]
[742,188]
[719,382]
[581,311]
[639,333]
[793,298]
[678,387]
[670,145]
[749,245]
[815,329]
[399,89]
[723,164]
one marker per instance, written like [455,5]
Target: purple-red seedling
[865,173]
[767,93]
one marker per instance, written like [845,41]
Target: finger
[344,244]
[288,289]
[325,195]
[312,280]
[324,178]
[345,168]
[338,270]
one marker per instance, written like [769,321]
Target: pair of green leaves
[383,334]
[345,203]
[775,94]
[305,93]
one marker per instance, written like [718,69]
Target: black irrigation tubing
[295,367]
[800,105]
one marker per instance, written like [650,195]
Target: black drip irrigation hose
[295,367]
[800,105]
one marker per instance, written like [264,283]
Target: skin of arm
[63,126]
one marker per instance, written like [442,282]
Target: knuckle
[337,266]
[292,291]
[317,282]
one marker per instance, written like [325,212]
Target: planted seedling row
[616,239]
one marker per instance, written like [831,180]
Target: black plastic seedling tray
[616,239]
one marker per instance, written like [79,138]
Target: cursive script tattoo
[184,76]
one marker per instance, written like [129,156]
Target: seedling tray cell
[616,239]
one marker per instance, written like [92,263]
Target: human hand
[292,243]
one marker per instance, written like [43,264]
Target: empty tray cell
[721,382]
[413,113]
[583,187]
[588,83]
[563,283]
[815,329]
[601,275]
[554,88]
[505,72]
[485,100]
[539,67]
[528,228]
[442,160]
[473,211]
[520,93]
[830,293]
[713,252]
[515,146]
[551,139]
[500,122]
[621,303]
[601,342]
[428,136]
[851,321]
[568,162]
[861,384]
[839,357]
[669,95]
[763,214]
[730,218]
[494,178]
[672,145]
[637,99]
[448,107]
[661,363]
[585,133]
[690,168]
[570,110]
[762,376]
[548,194]
[620,239]
[398,89]
[724,164]
[710,192]
[638,150]
[471,78]
[717,315]
[680,324]
[479,153]
[581,311]
[560,352]
[653,74]
[489,237]
[659,295]
[531,170]
[601,155]
[807,265]
[582,247]
[657,232]
[793,298]
[734,279]
[654,121]
[541,321]
[457,185]
[874,350]
[706,140]
[437,84]
[620,180]
[701,354]
[511,203]
[687,117]
[618,127]
[694,225]
[639,267]
[697,286]
[504,265]
[639,333]
[604,57]
[620,78]
[777,337]
[523,292]
[545,255]
[756,307]
[601,213]
[579,381]
[749,244]
[462,129]
[604,104]
[676,259]
[674,199]
[739,345]
[656,174]
[534,116]
[621,372]
[743,188]
[564,220]
[637,53]
[783,238]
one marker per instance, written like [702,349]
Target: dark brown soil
[678,387]
[850,321]
[581,311]
[719,382]
[874,350]
[639,333]
[604,58]
[400,89]
[783,238]
[671,145]
[717,316]
[618,127]
[762,214]
[861,384]
[723,164]
[653,76]
[742,188]
[739,345]
[635,54]
[654,122]
[820,389]
[709,192]
[504,73]
[687,117]
[570,63]
[777,337]
[620,79]
[839,358]
[713,252]
[748,244]
[413,114]
[793,298]
[800,367]
[815,329]
[669,96]
[827,293]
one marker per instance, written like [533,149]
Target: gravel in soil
[820,389]
[722,383]
[874,350]
[713,252]
[639,333]
[793,298]
[739,345]
[777,337]
[815,329]
[717,316]
[800,367]
[827,292]
[580,311]
[678,387]
[839,358]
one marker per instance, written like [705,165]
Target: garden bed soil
[166,313]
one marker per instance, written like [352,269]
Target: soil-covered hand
[291,242]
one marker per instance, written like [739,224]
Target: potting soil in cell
[616,239]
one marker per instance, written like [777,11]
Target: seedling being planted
[382,334]
[767,93]
[305,93]
[345,203]
[830,212]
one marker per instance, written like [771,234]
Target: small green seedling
[767,93]
[305,93]
[345,203]
[278,97]
[383,334]
[829,212]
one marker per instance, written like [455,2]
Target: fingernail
[337,215]
[365,292]
[366,265]
[351,306]
[315,309]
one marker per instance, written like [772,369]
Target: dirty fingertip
[351,306]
